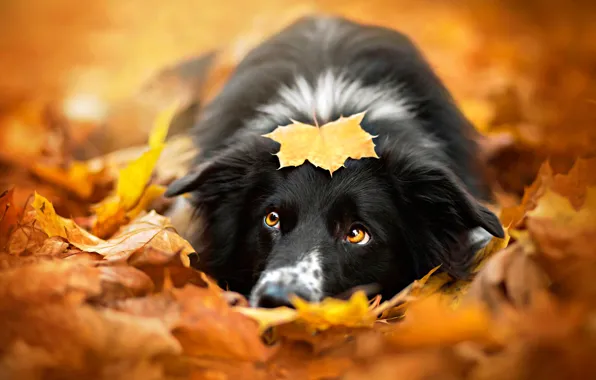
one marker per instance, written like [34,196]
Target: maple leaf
[559,230]
[131,194]
[327,147]
[562,239]
[559,210]
[572,185]
[512,216]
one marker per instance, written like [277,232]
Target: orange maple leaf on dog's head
[327,146]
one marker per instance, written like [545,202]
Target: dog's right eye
[358,235]
[272,220]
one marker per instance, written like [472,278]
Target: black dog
[272,232]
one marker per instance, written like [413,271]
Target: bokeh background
[81,79]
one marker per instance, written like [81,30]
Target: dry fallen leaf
[79,177]
[267,318]
[148,240]
[334,312]
[131,194]
[55,280]
[571,185]
[562,236]
[395,306]
[561,213]
[356,311]
[422,326]
[9,217]
[560,230]
[77,341]
[327,146]
[203,323]
[574,184]
[439,363]
[550,340]
[121,282]
[509,278]
[54,225]
[554,252]
[26,238]
[512,216]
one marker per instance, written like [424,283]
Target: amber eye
[358,235]
[272,219]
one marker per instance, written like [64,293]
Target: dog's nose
[274,295]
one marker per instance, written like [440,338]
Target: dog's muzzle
[274,295]
[303,279]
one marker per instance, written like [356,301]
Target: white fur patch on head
[306,275]
[334,92]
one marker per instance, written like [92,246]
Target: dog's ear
[228,170]
[190,181]
[438,194]
[222,188]
[443,218]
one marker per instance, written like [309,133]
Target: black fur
[418,201]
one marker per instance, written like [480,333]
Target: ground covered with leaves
[113,295]
[96,283]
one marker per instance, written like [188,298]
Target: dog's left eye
[358,235]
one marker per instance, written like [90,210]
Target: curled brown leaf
[509,279]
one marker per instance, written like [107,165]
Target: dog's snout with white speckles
[303,278]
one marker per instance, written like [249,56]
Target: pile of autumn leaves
[113,296]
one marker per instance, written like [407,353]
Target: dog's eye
[358,235]
[272,220]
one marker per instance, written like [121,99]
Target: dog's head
[275,232]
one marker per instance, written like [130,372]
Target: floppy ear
[222,186]
[437,193]
[190,181]
[442,216]
[226,171]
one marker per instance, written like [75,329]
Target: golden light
[85,108]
